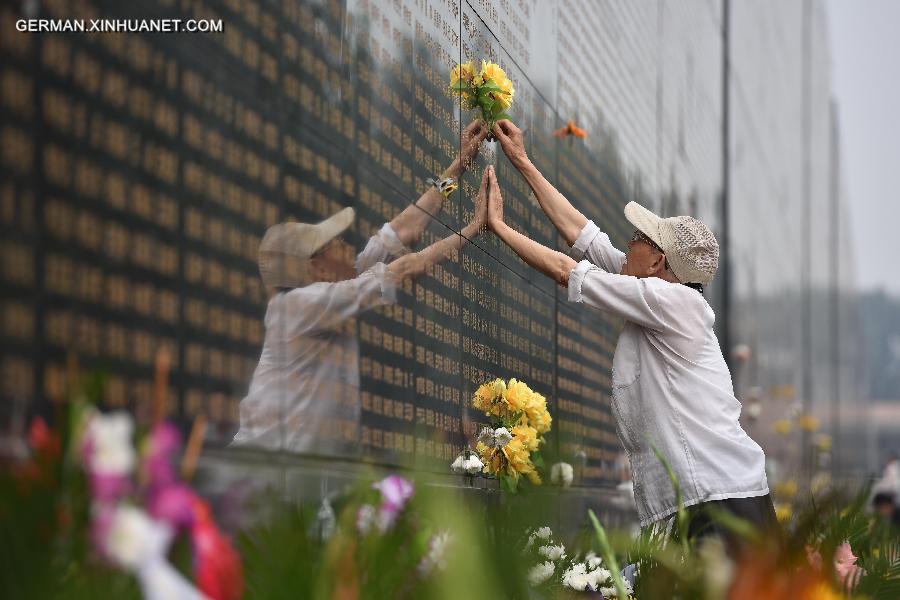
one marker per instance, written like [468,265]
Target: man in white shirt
[304,395]
[671,387]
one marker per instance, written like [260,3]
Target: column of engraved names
[586,427]
[110,213]
[232,174]
[18,230]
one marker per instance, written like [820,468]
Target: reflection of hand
[472,136]
[479,220]
[512,141]
[470,144]
[494,200]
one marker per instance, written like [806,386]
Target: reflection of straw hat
[690,247]
[286,248]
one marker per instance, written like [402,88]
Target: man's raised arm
[412,221]
[567,219]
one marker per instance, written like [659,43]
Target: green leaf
[461,86]
[496,108]
[510,484]
[490,86]
[682,515]
[486,102]
[608,555]
[502,116]
[537,459]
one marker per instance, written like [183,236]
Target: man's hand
[512,141]
[494,200]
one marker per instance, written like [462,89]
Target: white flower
[598,576]
[541,572]
[593,561]
[553,552]
[436,558]
[575,577]
[561,473]
[473,464]
[486,437]
[459,465]
[610,592]
[110,450]
[365,518]
[543,533]
[134,537]
[502,437]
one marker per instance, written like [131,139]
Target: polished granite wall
[141,170]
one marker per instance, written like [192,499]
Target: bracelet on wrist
[445,185]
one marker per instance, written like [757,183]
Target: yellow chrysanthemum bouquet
[488,90]
[510,447]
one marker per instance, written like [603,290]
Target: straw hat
[690,247]
[285,249]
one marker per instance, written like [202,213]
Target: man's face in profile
[333,262]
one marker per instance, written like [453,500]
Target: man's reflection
[304,395]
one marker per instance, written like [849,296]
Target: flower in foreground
[395,492]
[107,448]
[436,558]
[553,552]
[217,566]
[541,572]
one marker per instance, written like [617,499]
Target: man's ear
[658,266]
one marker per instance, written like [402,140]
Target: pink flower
[109,487]
[395,492]
[172,504]
[163,444]
[848,573]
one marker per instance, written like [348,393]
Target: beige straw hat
[690,247]
[285,249]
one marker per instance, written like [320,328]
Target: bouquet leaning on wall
[510,446]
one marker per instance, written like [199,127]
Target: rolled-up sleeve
[324,305]
[384,246]
[633,299]
[594,245]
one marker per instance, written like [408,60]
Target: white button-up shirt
[670,385]
[304,395]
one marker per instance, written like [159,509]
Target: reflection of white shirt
[304,395]
[670,385]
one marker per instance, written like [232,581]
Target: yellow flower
[783,512]
[528,436]
[823,442]
[534,478]
[492,72]
[821,591]
[486,394]
[464,71]
[538,417]
[518,396]
[783,426]
[519,459]
[505,100]
[786,489]
[808,422]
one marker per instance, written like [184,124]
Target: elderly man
[304,395]
[671,388]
